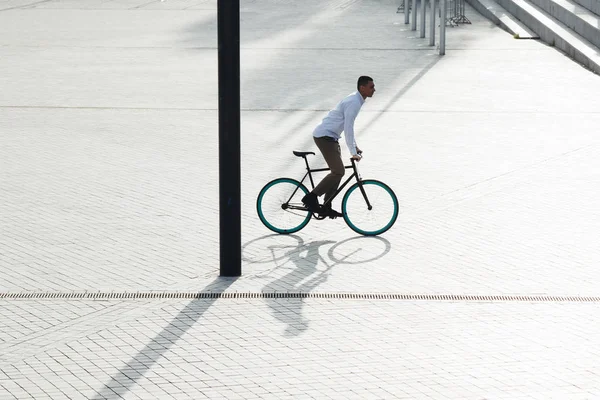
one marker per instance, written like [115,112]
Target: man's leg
[330,149]
[332,154]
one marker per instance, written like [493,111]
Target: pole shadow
[122,382]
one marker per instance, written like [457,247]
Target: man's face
[368,89]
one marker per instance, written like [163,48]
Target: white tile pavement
[109,162]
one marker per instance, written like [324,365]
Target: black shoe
[311,202]
[327,211]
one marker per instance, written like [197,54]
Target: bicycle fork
[360,185]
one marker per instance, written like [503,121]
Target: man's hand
[358,155]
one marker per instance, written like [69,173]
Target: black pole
[230,239]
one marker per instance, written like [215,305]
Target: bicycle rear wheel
[279,206]
[377,218]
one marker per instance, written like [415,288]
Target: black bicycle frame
[355,174]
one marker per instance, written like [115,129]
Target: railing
[453,12]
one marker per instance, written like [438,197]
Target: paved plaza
[485,288]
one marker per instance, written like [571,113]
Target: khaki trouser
[332,153]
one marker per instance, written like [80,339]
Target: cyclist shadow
[307,273]
[303,278]
[310,268]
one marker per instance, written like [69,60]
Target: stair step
[554,32]
[498,15]
[576,17]
[591,5]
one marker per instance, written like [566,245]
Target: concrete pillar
[432,24]
[422,20]
[443,6]
[413,20]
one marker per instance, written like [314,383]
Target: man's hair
[363,80]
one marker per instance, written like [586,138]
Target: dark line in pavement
[216,48]
[115,9]
[553,112]
[110,108]
[144,5]
[402,92]
[519,169]
[50,46]
[293,295]
[25,6]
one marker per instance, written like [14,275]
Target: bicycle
[369,207]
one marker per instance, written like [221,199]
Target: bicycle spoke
[280,207]
[383,212]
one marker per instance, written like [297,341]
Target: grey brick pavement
[108,169]
[316,349]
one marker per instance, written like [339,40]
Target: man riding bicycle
[326,136]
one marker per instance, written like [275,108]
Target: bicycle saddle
[303,153]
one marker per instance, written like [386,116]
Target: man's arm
[350,114]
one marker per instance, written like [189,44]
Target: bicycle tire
[272,206]
[383,201]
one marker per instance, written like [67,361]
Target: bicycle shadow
[308,270]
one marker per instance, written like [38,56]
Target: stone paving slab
[120,192]
[130,217]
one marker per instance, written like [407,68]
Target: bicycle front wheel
[279,206]
[370,207]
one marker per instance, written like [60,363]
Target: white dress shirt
[341,119]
